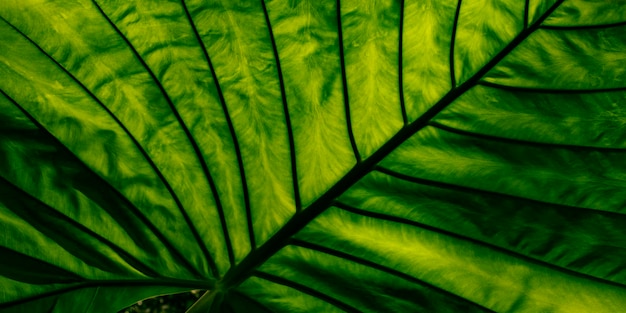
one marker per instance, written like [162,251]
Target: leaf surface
[313,156]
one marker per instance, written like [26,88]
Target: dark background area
[176,303]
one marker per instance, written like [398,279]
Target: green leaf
[313,156]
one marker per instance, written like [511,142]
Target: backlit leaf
[313,156]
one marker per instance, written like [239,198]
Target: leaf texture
[313,156]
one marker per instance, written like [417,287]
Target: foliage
[313,156]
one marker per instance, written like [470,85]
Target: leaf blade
[289,118]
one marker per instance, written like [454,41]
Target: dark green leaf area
[23,268]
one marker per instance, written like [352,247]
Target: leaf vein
[281,80]
[249,298]
[518,141]
[136,211]
[129,258]
[405,118]
[382,268]
[344,81]
[306,290]
[242,173]
[583,27]
[455,25]
[236,275]
[449,186]
[197,152]
[111,283]
[549,90]
[493,247]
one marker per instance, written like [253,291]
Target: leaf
[313,156]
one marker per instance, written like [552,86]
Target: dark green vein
[229,122]
[519,141]
[126,131]
[455,25]
[45,273]
[382,268]
[549,90]
[490,246]
[249,298]
[111,283]
[464,189]
[292,146]
[236,275]
[405,118]
[583,27]
[198,155]
[526,13]
[134,209]
[129,258]
[344,81]
[306,290]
